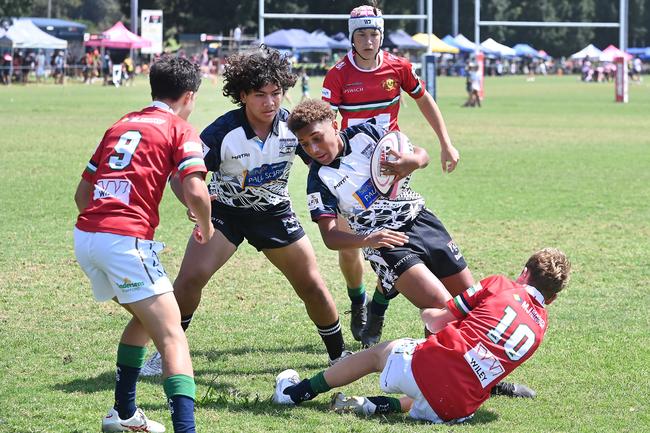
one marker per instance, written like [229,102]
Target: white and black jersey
[345,187]
[249,175]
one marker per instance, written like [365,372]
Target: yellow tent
[437,46]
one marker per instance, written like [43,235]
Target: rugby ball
[386,184]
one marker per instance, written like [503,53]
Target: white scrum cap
[366,17]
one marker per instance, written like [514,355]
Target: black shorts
[429,243]
[260,230]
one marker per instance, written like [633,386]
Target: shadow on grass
[231,400]
[205,376]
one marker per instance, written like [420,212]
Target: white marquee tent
[24,34]
[589,51]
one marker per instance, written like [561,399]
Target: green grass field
[550,163]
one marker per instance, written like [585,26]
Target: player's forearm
[432,113]
[339,240]
[197,200]
[82,194]
[177,188]
[436,319]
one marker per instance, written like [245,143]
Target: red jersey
[500,324]
[130,168]
[360,94]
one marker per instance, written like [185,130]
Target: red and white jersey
[500,325]
[360,94]
[130,168]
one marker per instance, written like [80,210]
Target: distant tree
[15,8]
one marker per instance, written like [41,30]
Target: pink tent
[611,52]
[119,36]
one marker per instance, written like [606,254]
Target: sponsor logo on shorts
[454,250]
[367,194]
[216,220]
[129,286]
[264,174]
[327,93]
[206,149]
[403,260]
[484,364]
[314,201]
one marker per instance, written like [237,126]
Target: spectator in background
[637,67]
[40,66]
[6,67]
[236,36]
[59,63]
[107,69]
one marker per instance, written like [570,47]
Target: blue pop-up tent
[643,53]
[403,41]
[340,41]
[525,50]
[296,40]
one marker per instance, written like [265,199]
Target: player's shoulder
[223,124]
[395,61]
[497,282]
[370,129]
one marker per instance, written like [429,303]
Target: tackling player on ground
[250,151]
[479,337]
[407,246]
[364,85]
[118,198]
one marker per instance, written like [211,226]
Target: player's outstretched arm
[449,155]
[436,318]
[82,195]
[197,200]
[336,239]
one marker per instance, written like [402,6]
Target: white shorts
[121,266]
[397,377]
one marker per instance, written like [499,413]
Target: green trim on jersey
[370,106]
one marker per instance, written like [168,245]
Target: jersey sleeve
[91,168]
[212,137]
[332,92]
[411,82]
[188,152]
[461,305]
[320,201]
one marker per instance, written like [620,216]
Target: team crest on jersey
[264,174]
[288,146]
[389,84]
[367,194]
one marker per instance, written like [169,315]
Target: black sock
[386,405]
[301,392]
[185,321]
[333,339]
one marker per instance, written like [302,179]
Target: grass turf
[550,163]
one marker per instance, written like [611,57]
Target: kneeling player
[480,337]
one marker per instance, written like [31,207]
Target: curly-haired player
[250,151]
